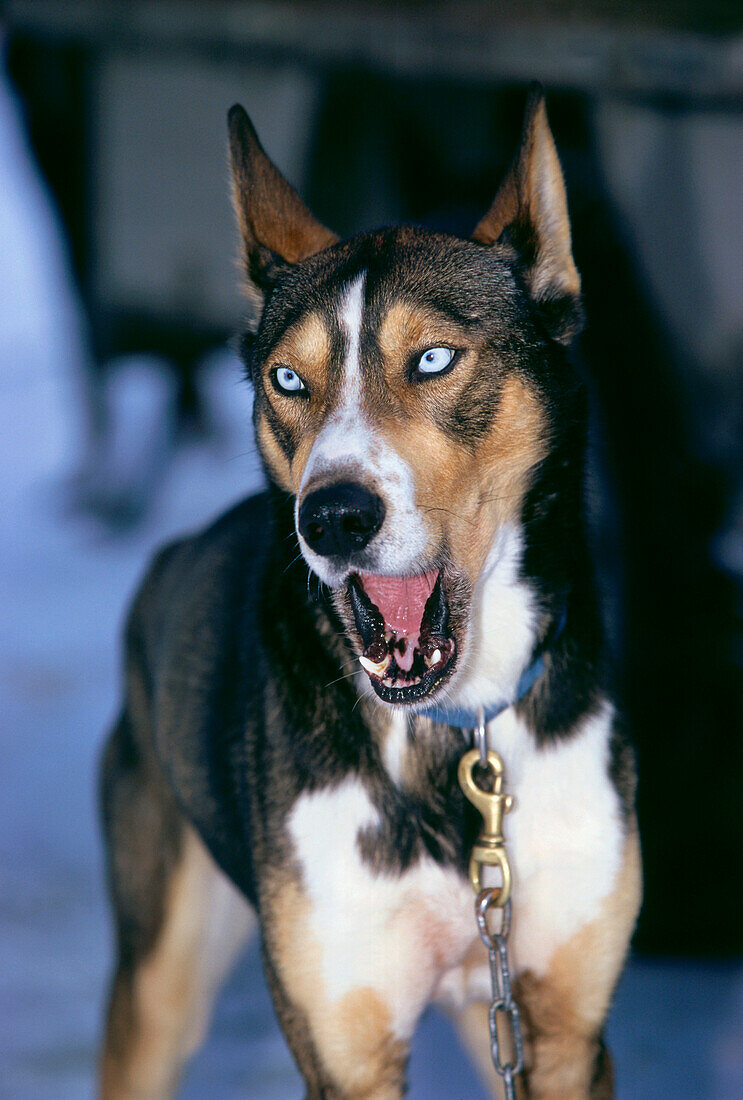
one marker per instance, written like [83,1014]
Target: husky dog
[287,750]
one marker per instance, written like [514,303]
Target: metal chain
[503,1002]
[490,850]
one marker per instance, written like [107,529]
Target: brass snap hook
[488,849]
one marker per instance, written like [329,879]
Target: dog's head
[408,389]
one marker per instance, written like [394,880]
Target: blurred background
[124,420]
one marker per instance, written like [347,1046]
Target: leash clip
[488,850]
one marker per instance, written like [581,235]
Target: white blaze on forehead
[345,434]
[350,445]
[351,317]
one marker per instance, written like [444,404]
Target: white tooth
[375,670]
[434,658]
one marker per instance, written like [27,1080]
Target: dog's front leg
[354,949]
[564,1005]
[564,1008]
[341,1030]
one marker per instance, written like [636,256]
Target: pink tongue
[401,600]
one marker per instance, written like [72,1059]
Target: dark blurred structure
[411,112]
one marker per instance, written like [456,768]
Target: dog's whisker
[449,512]
[239,455]
[362,695]
[345,676]
[293,561]
[351,663]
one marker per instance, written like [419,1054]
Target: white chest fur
[392,933]
[406,935]
[564,835]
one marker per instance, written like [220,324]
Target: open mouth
[403,623]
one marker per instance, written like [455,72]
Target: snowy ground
[64,582]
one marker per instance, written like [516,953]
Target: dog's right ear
[277,228]
[530,216]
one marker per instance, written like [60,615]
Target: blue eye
[288,381]
[435,360]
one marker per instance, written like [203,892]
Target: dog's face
[407,390]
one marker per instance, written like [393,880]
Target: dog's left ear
[277,228]
[530,215]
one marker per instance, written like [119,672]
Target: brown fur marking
[406,328]
[564,1011]
[514,448]
[273,454]
[465,497]
[352,1037]
[305,347]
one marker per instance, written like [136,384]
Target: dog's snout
[339,520]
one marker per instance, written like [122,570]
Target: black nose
[341,519]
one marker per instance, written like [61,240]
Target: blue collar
[468,719]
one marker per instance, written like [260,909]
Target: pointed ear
[530,214]
[277,228]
